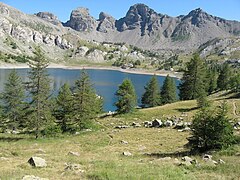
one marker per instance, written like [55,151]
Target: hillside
[155,152]
[142,34]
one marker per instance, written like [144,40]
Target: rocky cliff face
[142,17]
[49,17]
[81,20]
[142,27]
[106,23]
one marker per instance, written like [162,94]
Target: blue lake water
[105,82]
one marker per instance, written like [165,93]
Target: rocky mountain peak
[106,22]
[198,16]
[139,15]
[81,20]
[47,16]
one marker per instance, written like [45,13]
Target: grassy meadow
[100,151]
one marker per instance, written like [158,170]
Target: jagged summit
[142,26]
[81,20]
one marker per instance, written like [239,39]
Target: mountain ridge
[141,27]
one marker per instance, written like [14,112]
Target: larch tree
[86,103]
[224,77]
[64,109]
[126,97]
[13,97]
[38,88]
[169,91]
[194,82]
[151,96]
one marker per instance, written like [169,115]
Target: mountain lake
[105,82]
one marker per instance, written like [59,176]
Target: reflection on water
[105,81]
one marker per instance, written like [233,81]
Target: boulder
[127,153]
[147,124]
[81,51]
[168,123]
[124,142]
[180,125]
[220,161]
[122,127]
[157,123]
[207,157]
[49,40]
[73,153]
[187,161]
[96,55]
[77,168]
[37,162]
[136,125]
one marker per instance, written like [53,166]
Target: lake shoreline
[132,71]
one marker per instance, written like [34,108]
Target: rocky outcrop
[106,23]
[49,17]
[139,16]
[96,55]
[81,20]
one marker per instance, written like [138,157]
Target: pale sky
[228,9]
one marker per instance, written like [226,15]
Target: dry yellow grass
[101,151]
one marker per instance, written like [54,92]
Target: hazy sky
[228,9]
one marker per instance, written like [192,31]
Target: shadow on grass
[10,139]
[171,154]
[186,109]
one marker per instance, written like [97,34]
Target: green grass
[101,151]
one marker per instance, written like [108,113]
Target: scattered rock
[168,123]
[77,168]
[15,132]
[207,157]
[220,161]
[73,153]
[124,142]
[37,162]
[31,177]
[185,129]
[157,123]
[127,153]
[122,127]
[187,161]
[136,125]
[147,124]
[165,159]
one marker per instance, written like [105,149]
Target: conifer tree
[223,81]
[126,97]
[151,96]
[86,103]
[212,80]
[211,129]
[13,100]
[38,88]
[169,92]
[235,82]
[194,82]
[64,109]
